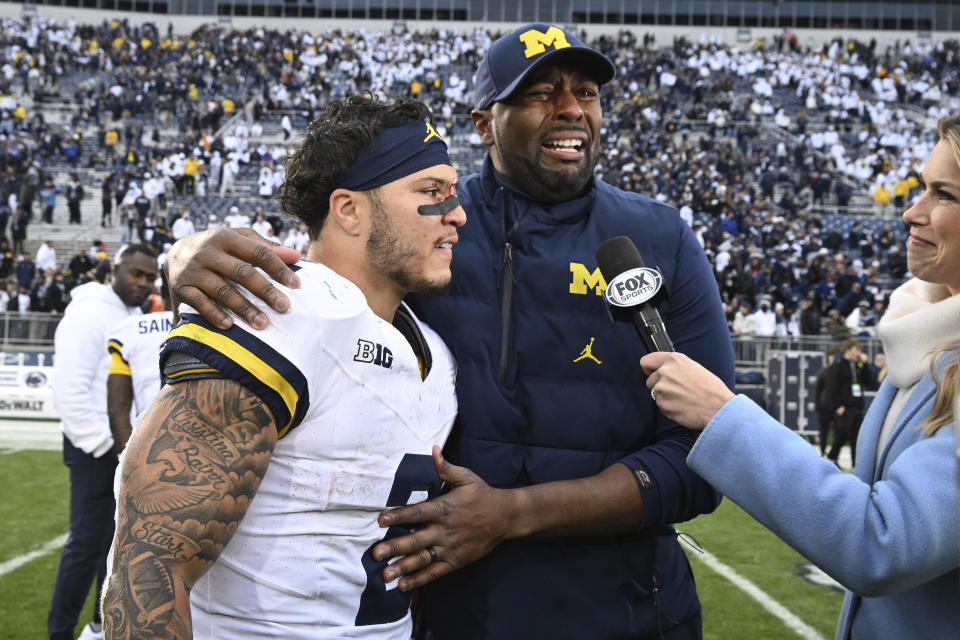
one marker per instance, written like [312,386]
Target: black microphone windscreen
[617,255]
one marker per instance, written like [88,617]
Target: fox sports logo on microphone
[633,287]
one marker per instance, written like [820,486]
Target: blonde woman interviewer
[889,531]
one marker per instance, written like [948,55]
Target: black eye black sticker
[439,209]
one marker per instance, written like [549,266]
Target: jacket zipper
[506,292]
[506,296]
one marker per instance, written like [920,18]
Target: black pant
[825,423]
[84,556]
[846,430]
[74,211]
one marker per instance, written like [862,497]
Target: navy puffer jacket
[550,389]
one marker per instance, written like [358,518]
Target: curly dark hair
[329,147]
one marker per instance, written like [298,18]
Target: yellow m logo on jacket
[536,42]
[583,279]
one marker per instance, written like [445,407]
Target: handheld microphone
[634,291]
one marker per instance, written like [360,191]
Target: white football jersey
[134,347]
[357,423]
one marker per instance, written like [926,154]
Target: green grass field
[33,511]
[741,543]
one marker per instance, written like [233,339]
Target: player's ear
[346,210]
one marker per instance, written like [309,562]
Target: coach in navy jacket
[532,413]
[550,390]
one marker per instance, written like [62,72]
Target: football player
[133,380]
[250,491]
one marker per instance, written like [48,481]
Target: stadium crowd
[754,146]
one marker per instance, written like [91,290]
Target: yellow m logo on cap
[536,42]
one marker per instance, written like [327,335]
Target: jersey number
[377,605]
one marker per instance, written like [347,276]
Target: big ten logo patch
[583,279]
[536,42]
[373,353]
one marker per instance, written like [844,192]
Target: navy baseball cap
[514,56]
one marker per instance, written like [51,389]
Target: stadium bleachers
[663,136]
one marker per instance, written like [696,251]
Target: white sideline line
[786,616]
[15,563]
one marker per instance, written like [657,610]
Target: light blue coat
[889,536]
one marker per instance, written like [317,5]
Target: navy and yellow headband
[396,152]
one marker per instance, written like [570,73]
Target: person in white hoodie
[46,257]
[764,320]
[80,396]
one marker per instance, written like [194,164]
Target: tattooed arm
[189,473]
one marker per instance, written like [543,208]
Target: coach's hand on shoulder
[453,530]
[199,265]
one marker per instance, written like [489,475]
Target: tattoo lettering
[178,546]
[190,471]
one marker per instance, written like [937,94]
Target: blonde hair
[942,413]
[948,129]
[948,385]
